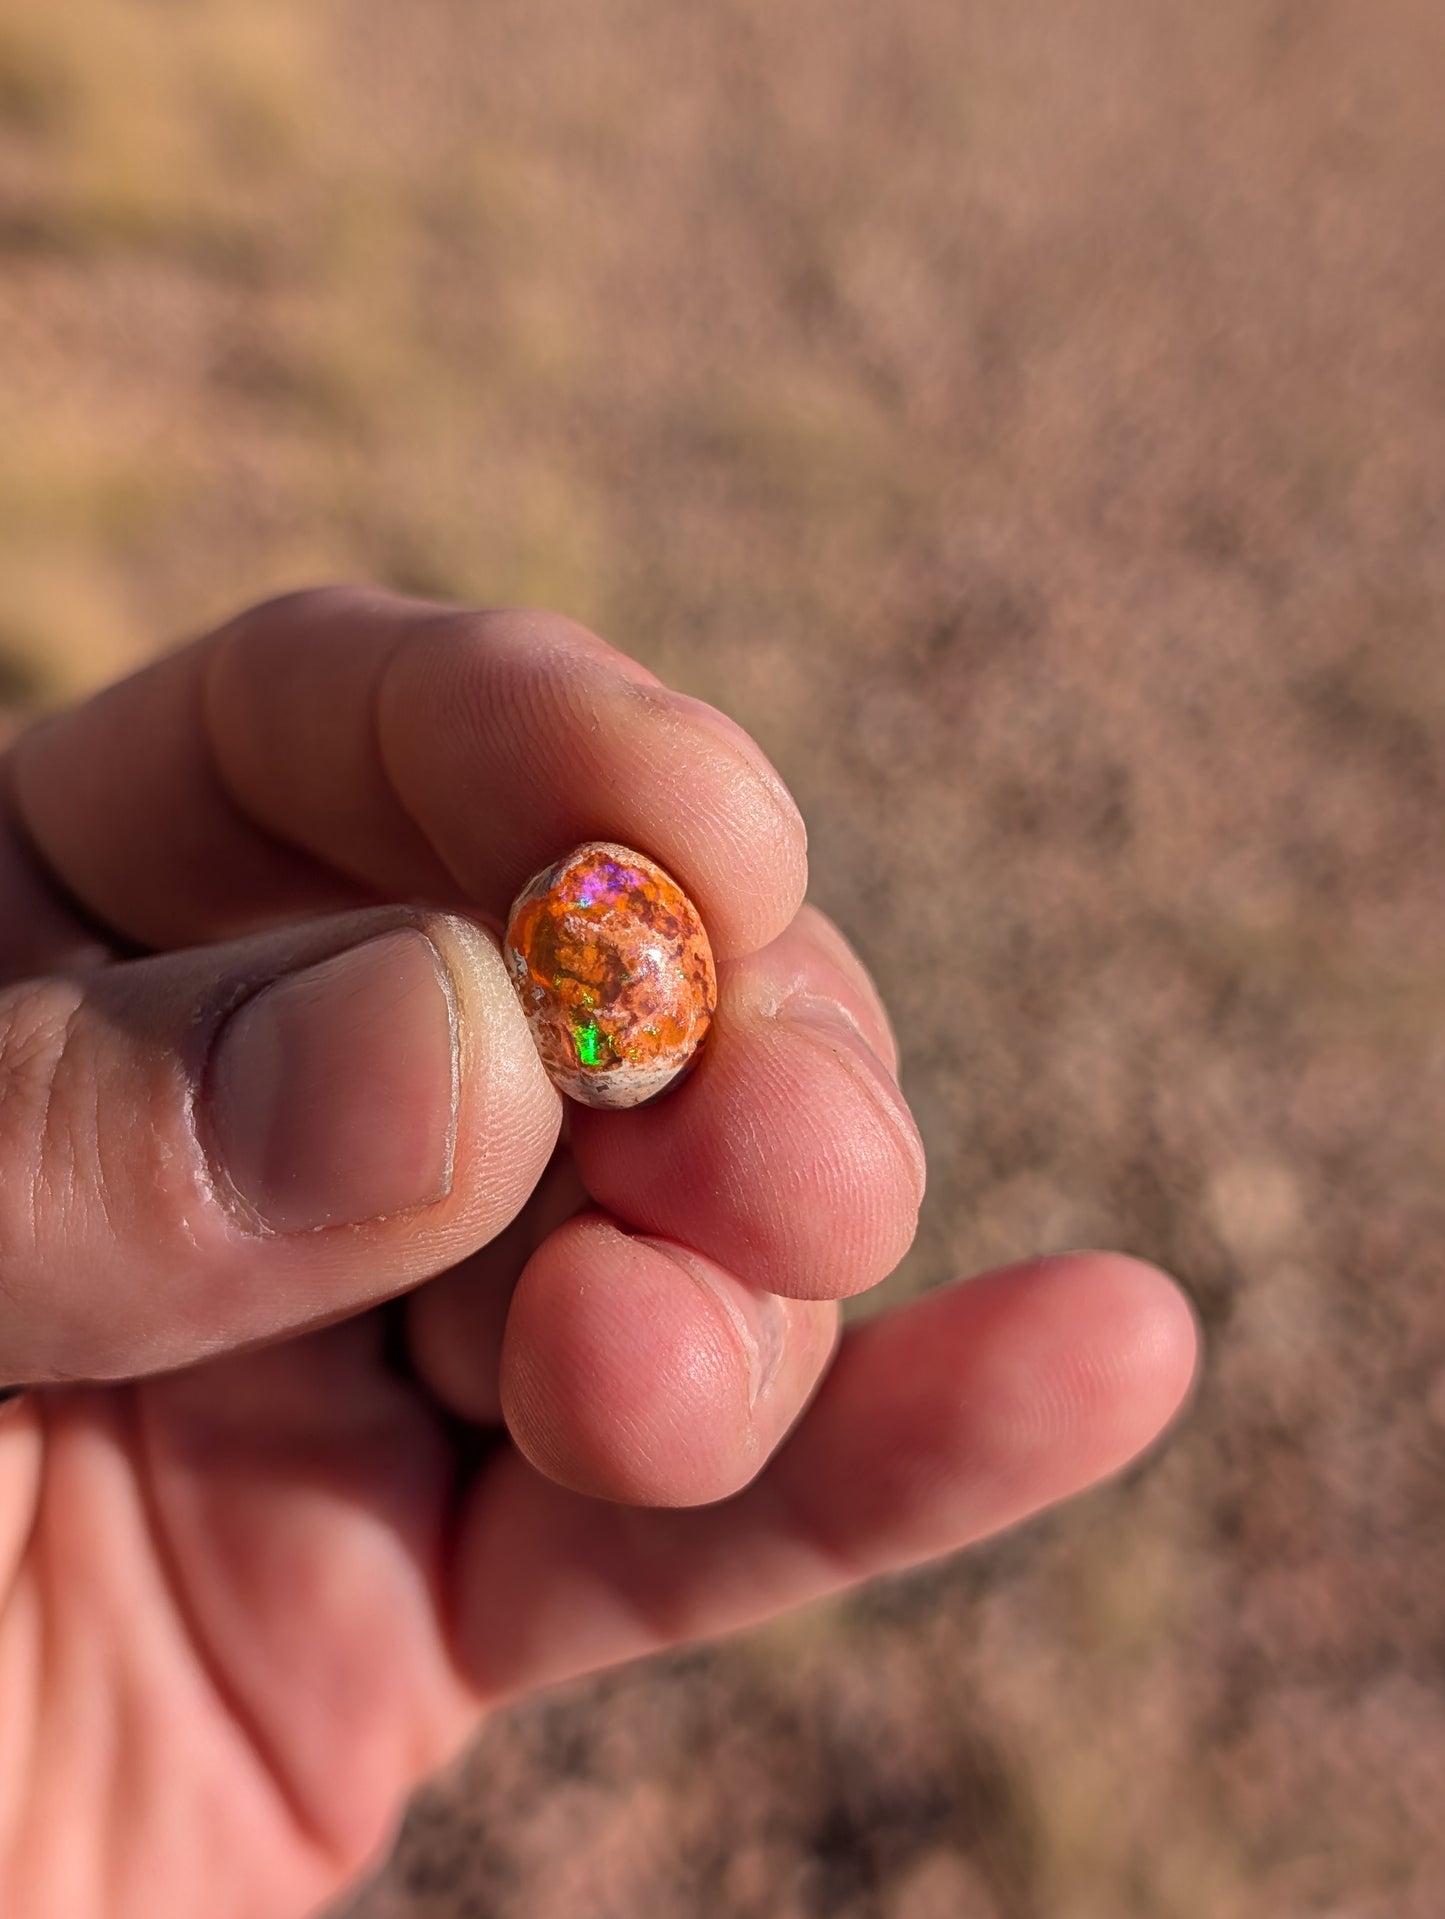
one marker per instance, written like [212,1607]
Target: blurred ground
[1030,420]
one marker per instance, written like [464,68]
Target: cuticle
[452,994]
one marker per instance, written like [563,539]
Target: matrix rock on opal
[614,972]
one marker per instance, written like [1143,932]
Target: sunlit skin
[270,1547]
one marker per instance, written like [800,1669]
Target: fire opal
[614,972]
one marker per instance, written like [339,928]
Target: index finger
[343,747]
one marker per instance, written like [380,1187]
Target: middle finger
[790,1155]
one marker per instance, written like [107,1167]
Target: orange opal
[614,972]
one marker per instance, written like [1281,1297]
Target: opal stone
[614,972]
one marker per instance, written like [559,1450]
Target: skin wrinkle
[685,710]
[800,1524]
[639,1575]
[42,1049]
[819,966]
[407,632]
[624,1568]
[655,1568]
[234,1709]
[594,698]
[523,706]
[737,1185]
[484,1657]
[747,784]
[881,1094]
[1037,1398]
[102,1453]
[173,1156]
[929,1470]
[844,1177]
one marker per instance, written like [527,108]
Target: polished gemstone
[614,972]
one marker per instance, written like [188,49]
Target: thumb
[214,1147]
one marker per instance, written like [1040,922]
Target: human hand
[270,1545]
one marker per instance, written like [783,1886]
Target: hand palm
[234,1572]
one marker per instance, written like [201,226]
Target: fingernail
[332,1095]
[759,1320]
[831,1019]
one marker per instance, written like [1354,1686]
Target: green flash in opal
[614,973]
[591,1044]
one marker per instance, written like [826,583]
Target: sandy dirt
[1029,420]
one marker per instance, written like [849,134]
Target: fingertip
[640,1372]
[613,1382]
[1153,1359]
[1098,1346]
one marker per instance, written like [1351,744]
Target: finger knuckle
[302,607]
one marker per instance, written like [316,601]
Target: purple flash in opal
[607,883]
